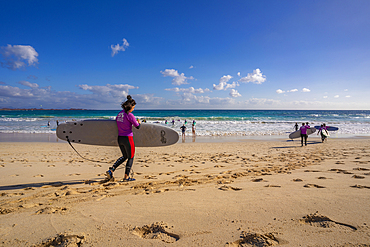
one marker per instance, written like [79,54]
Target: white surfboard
[297,134]
[105,133]
[325,133]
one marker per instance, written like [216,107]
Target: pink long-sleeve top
[125,121]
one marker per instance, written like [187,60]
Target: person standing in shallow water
[125,120]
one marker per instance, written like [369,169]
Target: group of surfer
[305,126]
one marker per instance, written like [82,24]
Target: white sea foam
[222,125]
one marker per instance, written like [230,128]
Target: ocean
[208,122]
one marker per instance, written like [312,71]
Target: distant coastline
[39,109]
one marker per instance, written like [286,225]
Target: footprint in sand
[71,192]
[97,165]
[64,240]
[226,188]
[29,188]
[51,210]
[272,185]
[6,210]
[256,239]
[74,174]
[313,186]
[339,162]
[51,165]
[318,220]
[361,169]
[156,231]
[38,175]
[297,180]
[360,186]
[311,171]
[340,171]
[257,180]
[358,177]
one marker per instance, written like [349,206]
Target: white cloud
[117,90]
[345,90]
[279,91]
[221,101]
[116,48]
[101,97]
[16,55]
[28,84]
[234,93]
[178,79]
[238,73]
[348,96]
[188,90]
[325,97]
[147,99]
[292,91]
[306,90]
[223,85]
[191,67]
[226,78]
[262,102]
[256,77]
[336,96]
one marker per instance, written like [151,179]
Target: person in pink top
[304,135]
[125,120]
[323,128]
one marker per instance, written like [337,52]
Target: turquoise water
[208,122]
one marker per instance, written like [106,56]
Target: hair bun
[129,97]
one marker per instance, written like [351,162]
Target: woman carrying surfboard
[125,120]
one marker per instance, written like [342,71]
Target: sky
[196,54]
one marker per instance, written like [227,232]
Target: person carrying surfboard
[304,135]
[125,120]
[323,134]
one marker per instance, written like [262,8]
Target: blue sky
[185,54]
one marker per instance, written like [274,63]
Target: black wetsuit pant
[305,139]
[127,146]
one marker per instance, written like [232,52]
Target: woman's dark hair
[128,104]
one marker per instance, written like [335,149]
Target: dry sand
[251,193]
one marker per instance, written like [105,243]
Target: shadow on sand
[47,184]
[298,144]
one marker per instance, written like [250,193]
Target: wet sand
[239,193]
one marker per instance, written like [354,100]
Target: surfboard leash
[84,157]
[132,170]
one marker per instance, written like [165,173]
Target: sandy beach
[241,193]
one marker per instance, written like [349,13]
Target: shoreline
[51,137]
